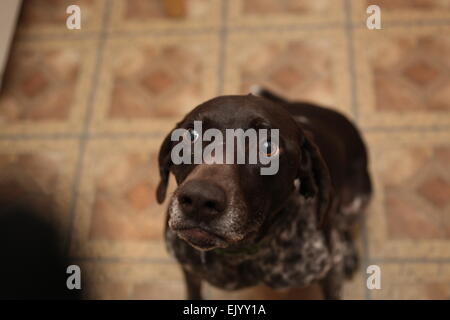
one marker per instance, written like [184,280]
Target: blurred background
[83,113]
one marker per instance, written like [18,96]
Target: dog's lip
[201,238]
[198,232]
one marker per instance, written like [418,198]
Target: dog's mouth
[201,239]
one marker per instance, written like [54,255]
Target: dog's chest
[295,255]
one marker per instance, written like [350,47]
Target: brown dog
[233,227]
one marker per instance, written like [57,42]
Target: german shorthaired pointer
[231,226]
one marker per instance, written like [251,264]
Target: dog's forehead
[243,112]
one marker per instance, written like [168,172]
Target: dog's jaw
[225,231]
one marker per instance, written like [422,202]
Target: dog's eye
[191,136]
[269,149]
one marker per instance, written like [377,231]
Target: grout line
[288,27]
[376,261]
[405,128]
[55,136]
[354,111]
[126,135]
[84,35]
[100,49]
[168,260]
[123,260]
[90,136]
[83,140]
[245,29]
[223,35]
[410,260]
[418,23]
[163,33]
[351,59]
[402,24]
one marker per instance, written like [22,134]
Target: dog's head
[220,205]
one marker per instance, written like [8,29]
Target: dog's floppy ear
[314,176]
[164,163]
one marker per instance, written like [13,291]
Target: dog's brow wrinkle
[259,123]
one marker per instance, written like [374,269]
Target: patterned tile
[149,84]
[40,175]
[414,281]
[409,213]
[137,281]
[48,17]
[403,76]
[310,66]
[403,10]
[139,15]
[117,214]
[285,12]
[46,87]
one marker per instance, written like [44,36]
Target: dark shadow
[32,265]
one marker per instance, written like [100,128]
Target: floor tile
[409,11]
[48,17]
[137,281]
[46,87]
[414,281]
[117,214]
[403,76]
[149,84]
[309,66]
[265,13]
[408,217]
[153,15]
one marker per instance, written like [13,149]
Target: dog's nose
[202,198]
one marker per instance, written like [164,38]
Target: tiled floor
[82,114]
